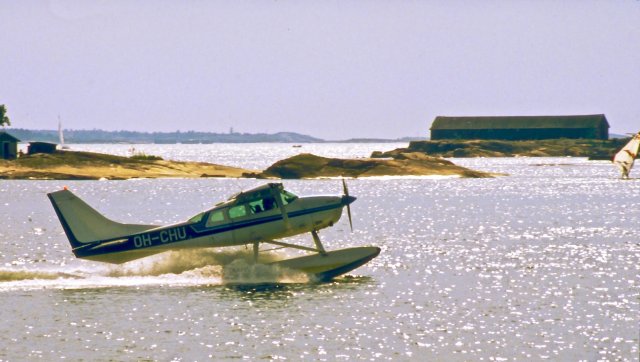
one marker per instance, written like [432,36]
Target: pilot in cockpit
[268,203]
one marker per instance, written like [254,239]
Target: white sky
[330,69]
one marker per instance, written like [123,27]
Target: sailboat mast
[60,135]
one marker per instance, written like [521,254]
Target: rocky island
[593,149]
[72,165]
[404,164]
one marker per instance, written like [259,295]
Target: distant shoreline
[189,137]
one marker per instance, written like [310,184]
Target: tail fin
[83,224]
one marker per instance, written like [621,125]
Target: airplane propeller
[348,202]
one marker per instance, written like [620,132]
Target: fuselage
[263,214]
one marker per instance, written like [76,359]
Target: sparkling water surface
[542,264]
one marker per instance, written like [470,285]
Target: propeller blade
[345,190]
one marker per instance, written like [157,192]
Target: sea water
[542,264]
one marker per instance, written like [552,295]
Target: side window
[215,217]
[264,204]
[237,211]
[256,206]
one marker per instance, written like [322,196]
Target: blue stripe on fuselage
[154,237]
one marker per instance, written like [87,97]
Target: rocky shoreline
[420,158]
[72,165]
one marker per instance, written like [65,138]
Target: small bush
[144,157]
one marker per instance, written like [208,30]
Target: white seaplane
[257,216]
[625,158]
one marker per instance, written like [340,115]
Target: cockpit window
[215,217]
[269,203]
[287,197]
[261,205]
[237,211]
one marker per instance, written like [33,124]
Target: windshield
[287,197]
[196,218]
[255,202]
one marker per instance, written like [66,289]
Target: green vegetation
[64,158]
[4,119]
[144,157]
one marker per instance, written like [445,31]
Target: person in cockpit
[268,203]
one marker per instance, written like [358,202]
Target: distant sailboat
[61,135]
[625,157]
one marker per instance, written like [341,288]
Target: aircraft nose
[347,200]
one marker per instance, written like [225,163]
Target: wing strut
[256,250]
[275,193]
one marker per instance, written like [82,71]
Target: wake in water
[175,268]
[17,275]
[230,266]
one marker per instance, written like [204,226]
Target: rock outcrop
[404,164]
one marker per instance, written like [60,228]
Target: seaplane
[262,215]
[625,158]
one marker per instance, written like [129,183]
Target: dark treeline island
[100,136]
[563,147]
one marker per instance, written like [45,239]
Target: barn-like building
[8,146]
[593,126]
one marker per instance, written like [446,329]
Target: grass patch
[144,157]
